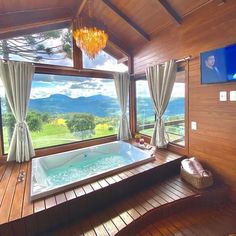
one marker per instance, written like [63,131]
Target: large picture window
[174,115]
[50,47]
[66,109]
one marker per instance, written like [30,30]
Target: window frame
[69,71]
[76,70]
[184,150]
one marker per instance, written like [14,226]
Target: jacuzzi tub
[54,173]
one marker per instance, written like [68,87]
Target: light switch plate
[232,95]
[194,125]
[223,96]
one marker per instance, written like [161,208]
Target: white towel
[189,167]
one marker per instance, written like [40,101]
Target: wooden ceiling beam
[21,18]
[127,19]
[122,60]
[35,11]
[171,11]
[19,30]
[220,2]
[80,8]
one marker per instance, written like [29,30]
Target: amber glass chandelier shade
[91,40]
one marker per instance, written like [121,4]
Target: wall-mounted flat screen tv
[219,65]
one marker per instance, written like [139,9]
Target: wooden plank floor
[14,196]
[114,219]
[219,220]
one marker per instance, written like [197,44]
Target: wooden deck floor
[121,217]
[219,220]
[15,203]
[130,215]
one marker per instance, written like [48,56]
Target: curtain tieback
[123,116]
[21,126]
[160,120]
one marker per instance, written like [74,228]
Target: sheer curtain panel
[161,80]
[122,89]
[17,79]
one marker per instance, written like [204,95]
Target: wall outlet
[194,125]
[223,96]
[232,95]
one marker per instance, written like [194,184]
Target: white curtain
[122,91]
[17,78]
[161,80]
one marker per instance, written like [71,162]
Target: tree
[35,47]
[9,121]
[81,124]
[45,117]
[34,121]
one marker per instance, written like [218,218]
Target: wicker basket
[197,181]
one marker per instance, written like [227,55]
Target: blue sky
[45,85]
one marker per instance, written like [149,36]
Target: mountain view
[98,105]
[175,107]
[59,119]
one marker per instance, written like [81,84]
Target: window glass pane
[144,109]
[174,115]
[65,109]
[104,61]
[51,47]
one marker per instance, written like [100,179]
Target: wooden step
[131,214]
[216,220]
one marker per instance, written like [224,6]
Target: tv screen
[219,65]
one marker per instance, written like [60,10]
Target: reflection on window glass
[51,47]
[104,61]
[65,109]
[174,115]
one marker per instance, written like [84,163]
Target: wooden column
[132,97]
[77,53]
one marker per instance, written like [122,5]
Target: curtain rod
[177,61]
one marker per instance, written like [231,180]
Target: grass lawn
[52,134]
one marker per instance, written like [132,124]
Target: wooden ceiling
[130,24]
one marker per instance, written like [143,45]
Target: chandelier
[90,39]
[89,34]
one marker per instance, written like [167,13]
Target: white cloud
[112,65]
[143,91]
[98,86]
[178,90]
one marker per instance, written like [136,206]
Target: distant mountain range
[145,107]
[97,105]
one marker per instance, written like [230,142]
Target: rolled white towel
[198,166]
[189,167]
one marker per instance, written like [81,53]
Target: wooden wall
[212,26]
